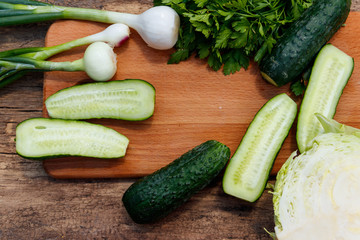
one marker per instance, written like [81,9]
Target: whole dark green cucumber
[303,39]
[156,195]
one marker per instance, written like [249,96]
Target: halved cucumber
[130,99]
[41,138]
[249,168]
[330,74]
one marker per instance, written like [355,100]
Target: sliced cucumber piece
[249,168]
[330,74]
[130,99]
[41,138]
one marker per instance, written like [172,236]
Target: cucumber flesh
[249,168]
[41,138]
[330,74]
[130,99]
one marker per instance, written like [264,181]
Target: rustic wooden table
[36,206]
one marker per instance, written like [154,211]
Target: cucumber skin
[78,87]
[155,196]
[55,156]
[303,40]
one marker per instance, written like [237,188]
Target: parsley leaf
[298,87]
[222,38]
[234,60]
[179,55]
[228,33]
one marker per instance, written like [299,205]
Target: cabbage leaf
[317,193]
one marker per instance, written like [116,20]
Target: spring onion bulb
[114,36]
[158,26]
[99,62]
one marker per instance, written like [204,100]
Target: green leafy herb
[230,33]
[298,87]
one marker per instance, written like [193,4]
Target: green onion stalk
[99,63]
[16,62]
[158,26]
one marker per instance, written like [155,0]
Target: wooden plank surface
[193,103]
[36,206]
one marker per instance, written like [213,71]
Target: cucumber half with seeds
[249,168]
[330,74]
[41,138]
[130,99]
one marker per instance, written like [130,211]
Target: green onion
[114,36]
[26,2]
[99,62]
[158,26]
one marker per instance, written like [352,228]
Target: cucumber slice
[249,168]
[130,99]
[330,74]
[41,138]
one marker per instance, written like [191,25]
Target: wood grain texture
[36,206]
[193,103]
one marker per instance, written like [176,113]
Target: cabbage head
[317,193]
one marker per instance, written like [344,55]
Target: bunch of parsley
[229,33]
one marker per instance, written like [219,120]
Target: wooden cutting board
[193,103]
